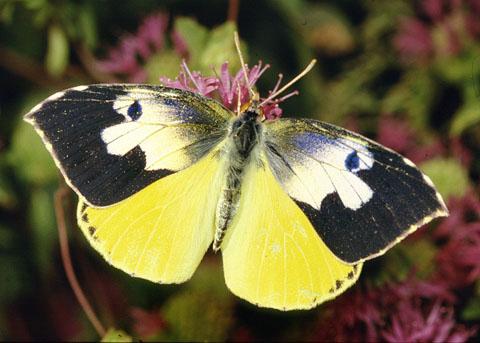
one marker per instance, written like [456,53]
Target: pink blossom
[230,90]
[433,8]
[147,323]
[408,311]
[414,38]
[192,81]
[463,211]
[179,44]
[134,49]
[411,323]
[399,136]
[453,43]
[458,258]
[233,86]
[422,153]
[395,134]
[413,41]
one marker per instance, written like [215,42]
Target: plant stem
[60,194]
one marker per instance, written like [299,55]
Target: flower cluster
[134,49]
[458,260]
[398,135]
[230,90]
[409,311]
[448,23]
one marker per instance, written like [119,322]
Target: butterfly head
[246,128]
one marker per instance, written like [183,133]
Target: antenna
[295,79]
[245,74]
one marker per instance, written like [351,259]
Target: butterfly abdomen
[243,137]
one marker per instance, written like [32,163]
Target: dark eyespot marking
[338,284]
[85,217]
[134,110]
[350,275]
[352,162]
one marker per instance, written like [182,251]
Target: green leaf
[8,198]
[165,63]
[399,262]
[327,29]
[195,37]
[41,217]
[87,26]
[57,58]
[29,157]
[219,48]
[448,175]
[13,269]
[114,335]
[203,311]
[414,95]
[6,11]
[467,116]
[471,312]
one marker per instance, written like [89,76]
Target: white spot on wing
[79,88]
[408,162]
[325,172]
[428,181]
[122,138]
[275,248]
[55,96]
[440,200]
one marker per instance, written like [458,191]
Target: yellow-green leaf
[114,335]
[448,175]
[57,57]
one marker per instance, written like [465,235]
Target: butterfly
[295,206]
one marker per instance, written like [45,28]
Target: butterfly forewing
[360,196]
[110,141]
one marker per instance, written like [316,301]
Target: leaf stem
[60,195]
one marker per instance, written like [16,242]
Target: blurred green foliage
[362,78]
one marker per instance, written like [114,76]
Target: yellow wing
[162,232]
[272,255]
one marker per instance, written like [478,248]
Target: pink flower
[179,44]
[192,81]
[458,258]
[412,323]
[129,57]
[414,38]
[409,311]
[230,90]
[395,134]
[399,136]
[147,323]
[464,210]
[433,8]
[233,86]
[413,41]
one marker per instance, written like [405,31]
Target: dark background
[403,72]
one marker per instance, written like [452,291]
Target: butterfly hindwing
[272,255]
[161,232]
[110,141]
[360,196]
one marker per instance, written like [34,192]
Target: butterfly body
[239,150]
[294,205]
